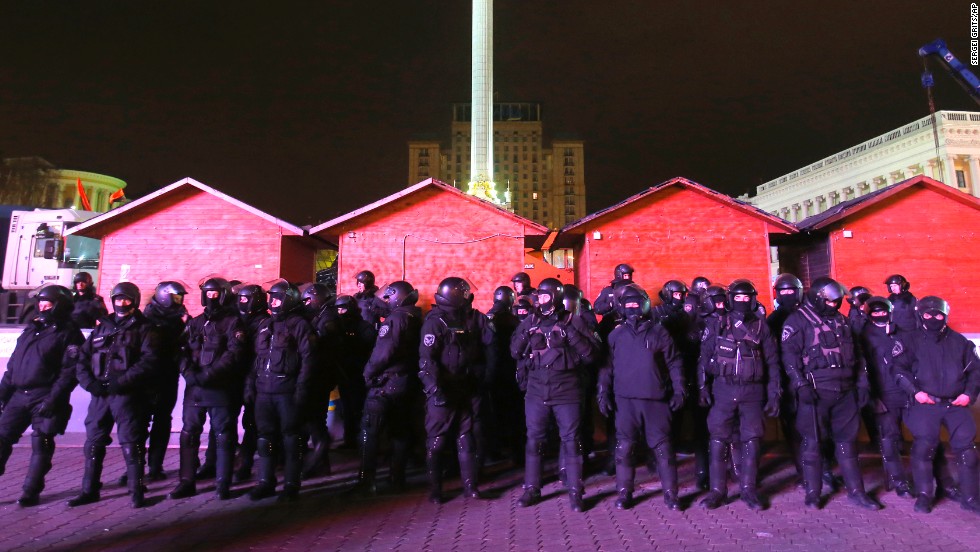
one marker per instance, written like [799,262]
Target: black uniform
[323,380]
[388,376]
[555,350]
[213,346]
[116,364]
[643,371]
[246,449]
[943,364]
[89,307]
[506,426]
[820,354]
[904,314]
[285,351]
[35,391]
[169,322]
[367,301]
[452,368]
[738,374]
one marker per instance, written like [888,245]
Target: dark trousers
[126,412]
[737,411]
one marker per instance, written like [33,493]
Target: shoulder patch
[383,331]
[787,332]
[429,340]
[240,336]
[898,349]
[688,307]
[72,352]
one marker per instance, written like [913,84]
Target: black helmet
[522,308]
[897,279]
[699,285]
[552,287]
[222,286]
[251,299]
[826,289]
[523,279]
[365,277]
[859,295]
[932,304]
[129,291]
[504,295]
[633,301]
[400,294]
[315,296]
[788,281]
[742,286]
[454,293]
[623,271]
[712,295]
[669,288]
[82,277]
[346,302]
[285,292]
[61,303]
[879,309]
[572,298]
[164,294]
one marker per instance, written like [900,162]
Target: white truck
[38,252]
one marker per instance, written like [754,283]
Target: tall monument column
[481,116]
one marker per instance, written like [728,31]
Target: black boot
[318,461]
[573,470]
[92,478]
[922,458]
[735,455]
[224,462]
[433,468]
[891,459]
[718,475]
[532,474]
[293,446]
[5,450]
[848,461]
[266,471]
[135,463]
[945,484]
[469,467]
[157,449]
[969,480]
[207,469]
[189,446]
[667,470]
[751,452]
[398,464]
[42,450]
[625,474]
[366,476]
[245,459]
[702,478]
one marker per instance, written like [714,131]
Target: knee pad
[465,443]
[573,447]
[263,447]
[968,457]
[435,444]
[924,450]
[665,452]
[535,448]
[190,440]
[224,441]
[624,452]
[42,443]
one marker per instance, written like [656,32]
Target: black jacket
[396,351]
[170,325]
[803,352]
[741,350]
[453,353]
[88,309]
[943,364]
[643,362]
[44,358]
[285,353]
[125,351]
[554,348]
[212,364]
[882,349]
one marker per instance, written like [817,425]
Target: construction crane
[960,73]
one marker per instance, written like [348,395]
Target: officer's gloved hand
[806,394]
[96,389]
[704,397]
[676,402]
[439,398]
[864,397]
[44,409]
[772,406]
[606,404]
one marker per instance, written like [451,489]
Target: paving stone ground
[327,519]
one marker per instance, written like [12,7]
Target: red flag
[117,195]
[81,194]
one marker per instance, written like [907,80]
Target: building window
[534,195]
[961,179]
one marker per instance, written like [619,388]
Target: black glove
[44,409]
[112,387]
[606,405]
[439,399]
[864,397]
[704,397]
[772,406]
[806,394]
[676,402]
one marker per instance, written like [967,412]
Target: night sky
[304,109]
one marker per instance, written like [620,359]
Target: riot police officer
[279,384]
[253,311]
[788,295]
[857,296]
[89,307]
[504,421]
[318,308]
[881,345]
[522,286]
[388,378]
[738,373]
[605,303]
[555,349]
[643,381]
[903,302]
[350,346]
[941,375]
[166,311]
[366,296]
[693,303]
[452,367]
[115,365]
[213,378]
[37,384]
[827,372]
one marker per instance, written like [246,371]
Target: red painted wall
[927,237]
[675,233]
[417,238]
[189,234]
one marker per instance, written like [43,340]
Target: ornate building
[34,182]
[879,162]
[542,182]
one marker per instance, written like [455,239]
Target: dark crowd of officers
[706,357]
